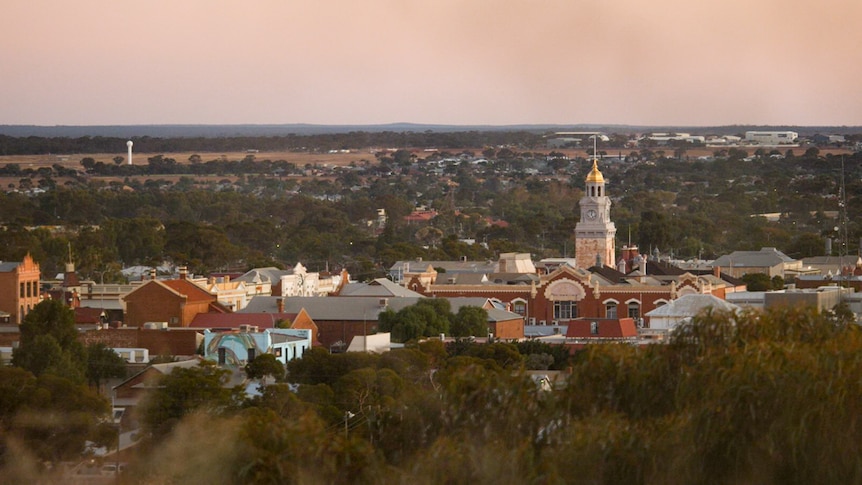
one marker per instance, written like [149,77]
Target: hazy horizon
[479,62]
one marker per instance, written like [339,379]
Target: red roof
[603,328]
[192,291]
[234,320]
[85,315]
[421,216]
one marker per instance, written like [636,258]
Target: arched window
[519,307]
[634,310]
[611,310]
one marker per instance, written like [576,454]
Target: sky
[461,62]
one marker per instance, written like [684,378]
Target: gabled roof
[193,292]
[380,287]
[608,273]
[262,275]
[8,266]
[333,308]
[661,268]
[358,308]
[766,257]
[234,320]
[691,305]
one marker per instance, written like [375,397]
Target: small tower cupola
[595,181]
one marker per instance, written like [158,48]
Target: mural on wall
[236,347]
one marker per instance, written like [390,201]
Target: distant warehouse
[771,137]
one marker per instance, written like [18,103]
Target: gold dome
[595,176]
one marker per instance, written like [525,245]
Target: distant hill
[220,131]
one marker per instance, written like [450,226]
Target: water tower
[129,145]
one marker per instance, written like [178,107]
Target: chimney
[226,279]
[153,273]
[716,271]
[280,304]
[184,272]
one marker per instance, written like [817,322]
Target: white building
[771,137]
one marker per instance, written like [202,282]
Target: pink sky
[683,62]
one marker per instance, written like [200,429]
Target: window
[22,290]
[565,310]
[594,328]
[519,307]
[611,310]
[634,310]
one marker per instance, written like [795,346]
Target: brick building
[19,288]
[175,302]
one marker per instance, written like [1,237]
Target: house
[175,302]
[19,288]
[379,288]
[403,270]
[666,317]
[237,348]
[768,261]
[296,281]
[232,294]
[260,320]
[834,265]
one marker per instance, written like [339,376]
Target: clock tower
[595,233]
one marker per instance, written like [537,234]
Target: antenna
[129,145]
[842,201]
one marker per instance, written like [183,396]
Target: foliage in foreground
[748,398]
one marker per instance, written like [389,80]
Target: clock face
[591,214]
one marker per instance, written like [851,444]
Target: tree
[470,321]
[184,391]
[428,317]
[89,163]
[757,282]
[265,365]
[50,416]
[49,342]
[103,363]
[654,230]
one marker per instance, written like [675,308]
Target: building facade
[19,288]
